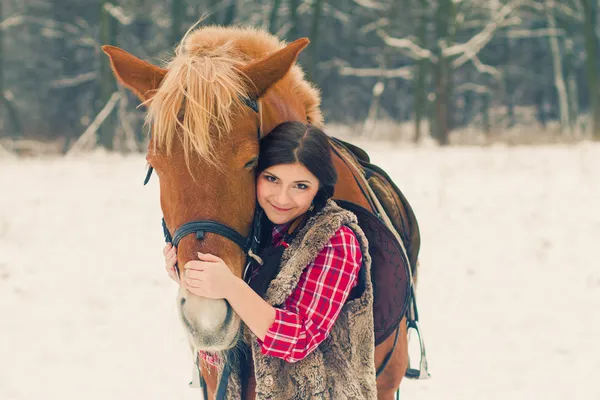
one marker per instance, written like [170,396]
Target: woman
[309,305]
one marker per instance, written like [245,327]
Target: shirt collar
[279,232]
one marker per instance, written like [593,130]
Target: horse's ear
[267,71]
[138,75]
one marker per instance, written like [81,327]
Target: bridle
[249,244]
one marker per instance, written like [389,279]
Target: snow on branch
[17,20]
[377,24]
[73,81]
[402,72]
[473,87]
[337,14]
[117,13]
[481,67]
[373,5]
[408,47]
[87,140]
[474,45]
[9,22]
[534,33]
[560,8]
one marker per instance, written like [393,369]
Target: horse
[222,91]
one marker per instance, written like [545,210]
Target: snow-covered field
[509,290]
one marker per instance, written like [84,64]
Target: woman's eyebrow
[275,176]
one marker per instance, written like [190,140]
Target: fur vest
[342,366]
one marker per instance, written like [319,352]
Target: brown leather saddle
[393,234]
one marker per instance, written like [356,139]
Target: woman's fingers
[195,283]
[167,248]
[208,257]
[173,275]
[193,273]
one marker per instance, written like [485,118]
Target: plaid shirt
[307,316]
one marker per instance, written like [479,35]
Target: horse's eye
[251,164]
[148,174]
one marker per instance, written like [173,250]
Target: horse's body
[260,67]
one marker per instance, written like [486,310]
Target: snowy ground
[509,287]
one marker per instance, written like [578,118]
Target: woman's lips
[280,209]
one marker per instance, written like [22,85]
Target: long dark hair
[295,142]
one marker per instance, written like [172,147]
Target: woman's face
[286,191]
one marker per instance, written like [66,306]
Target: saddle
[393,234]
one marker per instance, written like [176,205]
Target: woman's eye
[302,186]
[270,178]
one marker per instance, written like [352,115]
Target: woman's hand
[170,253]
[209,276]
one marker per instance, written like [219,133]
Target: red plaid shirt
[307,316]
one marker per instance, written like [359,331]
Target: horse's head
[204,147]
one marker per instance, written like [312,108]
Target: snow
[508,292]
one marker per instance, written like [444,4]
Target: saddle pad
[389,272]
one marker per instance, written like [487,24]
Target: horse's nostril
[182,301]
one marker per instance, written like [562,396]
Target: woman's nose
[282,198]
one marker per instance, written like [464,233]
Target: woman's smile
[280,209]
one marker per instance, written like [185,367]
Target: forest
[435,68]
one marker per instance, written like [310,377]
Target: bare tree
[177,17]
[317,10]
[590,10]
[559,78]
[108,36]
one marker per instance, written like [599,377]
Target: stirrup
[422,372]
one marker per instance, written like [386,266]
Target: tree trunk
[2,99]
[420,89]
[508,85]
[177,17]
[559,80]
[314,36]
[295,29]
[213,17]
[573,93]
[485,113]
[108,35]
[273,16]
[444,18]
[230,12]
[15,129]
[591,48]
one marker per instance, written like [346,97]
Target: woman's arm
[252,309]
[307,316]
[210,277]
[310,312]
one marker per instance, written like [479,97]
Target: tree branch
[472,87]
[88,138]
[370,4]
[407,47]
[117,13]
[474,45]
[534,33]
[377,24]
[73,81]
[402,73]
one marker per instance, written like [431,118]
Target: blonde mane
[204,80]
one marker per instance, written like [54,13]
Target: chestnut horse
[222,86]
